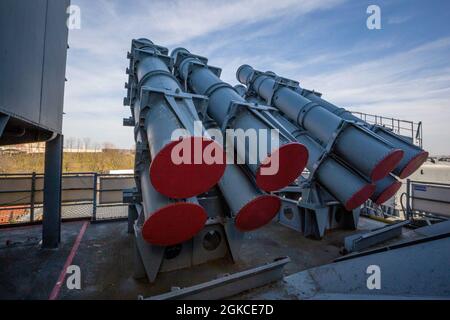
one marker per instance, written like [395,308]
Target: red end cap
[388,193]
[258,212]
[174,223]
[386,165]
[292,160]
[187,179]
[360,197]
[414,164]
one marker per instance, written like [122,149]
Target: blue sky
[402,70]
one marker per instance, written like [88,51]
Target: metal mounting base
[215,241]
[313,214]
[229,285]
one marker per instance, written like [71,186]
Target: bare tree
[79,144]
[87,143]
[70,142]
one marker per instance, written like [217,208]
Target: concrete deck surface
[106,252]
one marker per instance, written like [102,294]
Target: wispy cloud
[173,22]
[323,44]
[399,19]
[412,85]
[96,60]
[421,72]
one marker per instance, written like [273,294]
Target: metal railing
[84,195]
[382,211]
[416,199]
[429,199]
[409,129]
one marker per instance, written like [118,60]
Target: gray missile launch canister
[413,156]
[203,79]
[360,148]
[341,182]
[162,109]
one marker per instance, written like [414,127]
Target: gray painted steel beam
[358,242]
[229,285]
[51,224]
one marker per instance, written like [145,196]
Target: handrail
[407,128]
[90,194]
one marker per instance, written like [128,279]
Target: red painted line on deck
[55,292]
